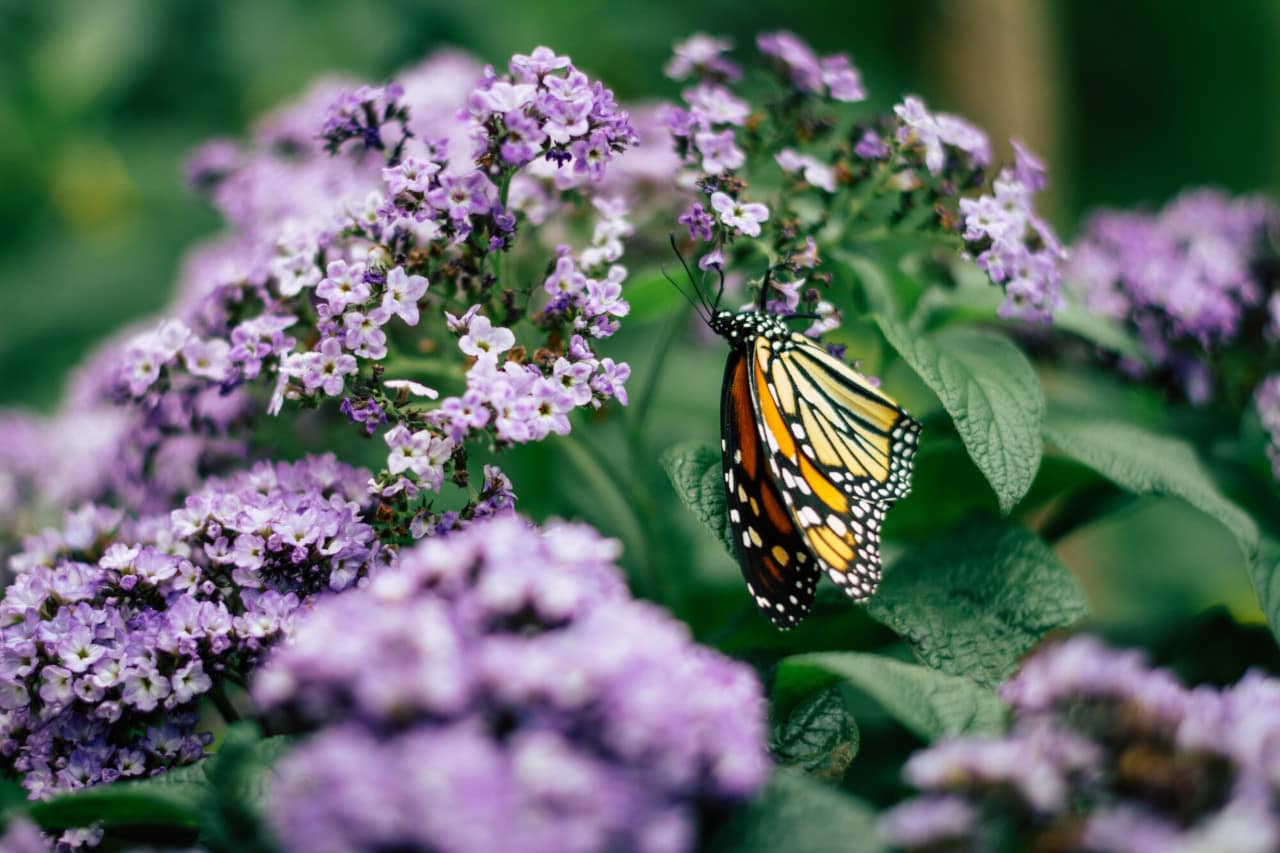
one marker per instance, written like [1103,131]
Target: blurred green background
[100,103]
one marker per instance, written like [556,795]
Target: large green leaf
[976,599]
[220,796]
[873,282]
[929,703]
[818,735]
[1098,329]
[238,776]
[1264,570]
[171,799]
[695,471]
[991,392]
[1149,463]
[798,812]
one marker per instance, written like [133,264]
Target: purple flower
[702,55]
[871,146]
[410,175]
[461,197]
[1100,739]
[483,339]
[343,285]
[119,635]
[712,104]
[930,821]
[1185,280]
[363,335]
[618,726]
[817,173]
[1266,402]
[609,382]
[743,217]
[843,80]
[719,153]
[590,155]
[795,57]
[934,132]
[698,221]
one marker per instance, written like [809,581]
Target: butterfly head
[741,329]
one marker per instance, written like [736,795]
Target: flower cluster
[1194,277]
[361,218]
[142,458]
[1015,247]
[498,687]
[1109,754]
[1000,227]
[361,114]
[934,170]
[114,628]
[547,108]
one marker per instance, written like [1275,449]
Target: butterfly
[814,455]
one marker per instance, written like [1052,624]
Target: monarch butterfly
[813,457]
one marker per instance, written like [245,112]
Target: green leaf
[928,703]
[170,799]
[976,599]
[1144,462]
[1148,463]
[695,471]
[1098,329]
[220,796]
[798,812]
[1264,571]
[818,736]
[873,283]
[991,392]
[238,777]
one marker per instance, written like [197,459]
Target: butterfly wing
[781,573]
[846,426]
[840,451]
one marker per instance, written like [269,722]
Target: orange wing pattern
[780,571]
[839,452]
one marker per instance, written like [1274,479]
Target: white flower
[483,338]
[744,217]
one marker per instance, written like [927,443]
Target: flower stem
[644,400]
[633,505]
[220,701]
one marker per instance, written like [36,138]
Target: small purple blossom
[719,153]
[702,55]
[743,217]
[699,222]
[816,173]
[484,339]
[937,132]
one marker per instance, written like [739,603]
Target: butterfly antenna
[763,299]
[700,306]
[702,298]
[697,306]
[720,289]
